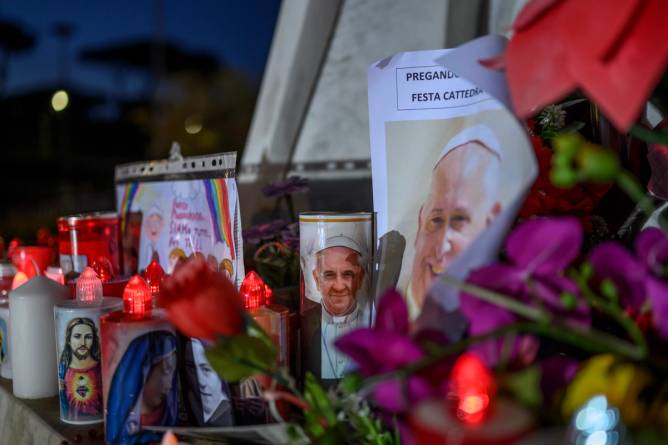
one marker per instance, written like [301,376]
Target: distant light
[59,100]
[193,125]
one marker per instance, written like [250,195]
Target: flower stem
[627,182]
[586,339]
[497,299]
[291,207]
[614,311]
[649,136]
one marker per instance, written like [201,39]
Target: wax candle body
[138,374]
[31,337]
[79,355]
[5,356]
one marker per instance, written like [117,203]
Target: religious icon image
[79,372]
[143,389]
[335,256]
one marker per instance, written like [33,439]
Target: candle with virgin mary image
[335,255]
[206,396]
[139,376]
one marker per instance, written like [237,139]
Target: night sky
[238,33]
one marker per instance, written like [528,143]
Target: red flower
[201,302]
[545,199]
[615,51]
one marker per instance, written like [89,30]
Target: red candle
[470,415]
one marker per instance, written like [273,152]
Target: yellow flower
[620,382]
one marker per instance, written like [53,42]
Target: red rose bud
[201,302]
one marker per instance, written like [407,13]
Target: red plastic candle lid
[89,287]
[253,291]
[154,275]
[137,297]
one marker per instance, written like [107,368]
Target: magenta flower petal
[550,290]
[658,295]
[392,314]
[612,261]
[376,352]
[395,395]
[483,316]
[651,246]
[545,245]
[523,350]
[359,345]
[394,351]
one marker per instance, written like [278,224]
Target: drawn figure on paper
[79,372]
[153,227]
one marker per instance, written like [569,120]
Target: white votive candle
[31,337]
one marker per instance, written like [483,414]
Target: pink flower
[637,279]
[538,252]
[389,346]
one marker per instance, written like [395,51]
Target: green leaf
[568,144]
[351,383]
[586,271]
[331,436]
[568,300]
[609,290]
[241,356]
[525,386]
[316,397]
[255,330]
[563,177]
[597,164]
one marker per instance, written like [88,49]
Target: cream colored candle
[31,337]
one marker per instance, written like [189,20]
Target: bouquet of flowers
[569,328]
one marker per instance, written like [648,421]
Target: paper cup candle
[31,337]
[138,368]
[335,254]
[78,350]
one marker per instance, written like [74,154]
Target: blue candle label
[4,351]
[140,380]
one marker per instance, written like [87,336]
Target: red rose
[201,302]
